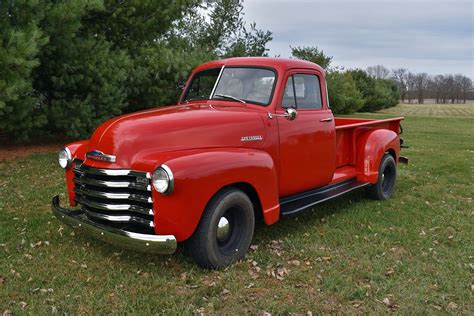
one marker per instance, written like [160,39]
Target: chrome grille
[116,197]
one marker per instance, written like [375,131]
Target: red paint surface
[201,142]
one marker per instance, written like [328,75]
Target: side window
[289,95]
[308,91]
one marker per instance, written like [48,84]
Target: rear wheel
[225,230]
[385,186]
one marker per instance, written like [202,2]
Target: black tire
[385,186]
[213,252]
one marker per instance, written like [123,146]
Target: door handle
[328,119]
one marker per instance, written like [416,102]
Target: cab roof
[279,64]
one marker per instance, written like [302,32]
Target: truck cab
[249,138]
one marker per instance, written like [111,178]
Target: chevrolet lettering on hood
[100,156]
[251,138]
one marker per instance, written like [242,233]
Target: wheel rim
[388,179]
[223,229]
[229,231]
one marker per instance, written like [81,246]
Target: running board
[294,204]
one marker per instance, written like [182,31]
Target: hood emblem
[100,156]
[251,138]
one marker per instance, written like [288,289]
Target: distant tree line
[417,87]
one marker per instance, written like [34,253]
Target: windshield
[237,84]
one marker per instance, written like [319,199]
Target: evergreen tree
[20,43]
[344,97]
[312,54]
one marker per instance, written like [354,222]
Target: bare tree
[466,87]
[421,85]
[400,76]
[449,87]
[411,86]
[437,88]
[378,72]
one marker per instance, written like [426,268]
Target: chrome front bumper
[159,244]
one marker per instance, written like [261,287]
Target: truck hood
[139,135]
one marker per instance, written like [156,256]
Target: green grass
[351,255]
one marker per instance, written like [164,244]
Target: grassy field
[412,254]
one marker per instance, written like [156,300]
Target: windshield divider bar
[217,82]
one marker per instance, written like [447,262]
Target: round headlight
[65,158]
[163,180]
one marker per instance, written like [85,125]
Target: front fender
[78,150]
[200,175]
[372,147]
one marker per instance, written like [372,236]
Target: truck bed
[348,131]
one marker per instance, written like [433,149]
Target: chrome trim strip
[121,218]
[217,82]
[69,157]
[113,184]
[171,178]
[114,196]
[115,207]
[112,172]
[160,244]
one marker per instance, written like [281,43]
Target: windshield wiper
[225,96]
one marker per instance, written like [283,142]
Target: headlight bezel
[68,157]
[168,177]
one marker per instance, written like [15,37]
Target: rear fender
[199,176]
[371,147]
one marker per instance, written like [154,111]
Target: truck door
[308,143]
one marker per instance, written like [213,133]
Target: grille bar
[115,184]
[121,218]
[110,172]
[115,196]
[115,207]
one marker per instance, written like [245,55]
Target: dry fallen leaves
[225,292]
[276,247]
[389,272]
[452,306]
[279,272]
[7,313]
[390,304]
[437,307]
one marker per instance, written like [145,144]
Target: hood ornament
[100,156]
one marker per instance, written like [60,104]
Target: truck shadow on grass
[181,261]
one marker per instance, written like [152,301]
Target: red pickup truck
[249,138]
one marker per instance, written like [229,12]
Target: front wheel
[225,231]
[385,186]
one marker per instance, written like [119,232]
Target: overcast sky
[434,36]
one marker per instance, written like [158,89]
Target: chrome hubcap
[223,229]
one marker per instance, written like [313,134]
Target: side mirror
[291,114]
